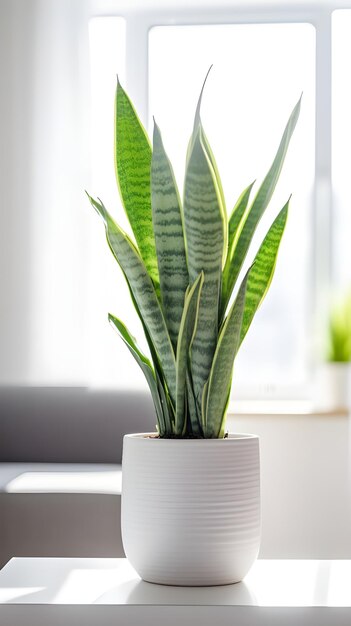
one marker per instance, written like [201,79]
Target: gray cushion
[70,425]
[60,510]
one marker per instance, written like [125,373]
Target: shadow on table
[139,592]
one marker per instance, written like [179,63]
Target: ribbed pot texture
[191,508]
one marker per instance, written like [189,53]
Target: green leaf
[142,361]
[221,371]
[169,237]
[218,181]
[197,118]
[339,330]
[263,268]
[257,209]
[133,162]
[193,413]
[168,413]
[186,336]
[224,416]
[204,406]
[233,227]
[144,293]
[198,128]
[204,235]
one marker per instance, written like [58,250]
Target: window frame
[141,18]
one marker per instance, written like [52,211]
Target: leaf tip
[156,127]
[119,85]
[157,139]
[298,104]
[197,119]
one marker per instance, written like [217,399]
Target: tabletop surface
[77,581]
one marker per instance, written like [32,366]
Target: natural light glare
[12,594]
[67,482]
[286,585]
[258,74]
[108,290]
[341,125]
[339,588]
[110,581]
[86,586]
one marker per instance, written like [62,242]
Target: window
[259,72]
[107,37]
[264,55]
[341,157]
[244,132]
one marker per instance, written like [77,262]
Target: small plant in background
[183,268]
[339,331]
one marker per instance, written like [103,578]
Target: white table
[106,592]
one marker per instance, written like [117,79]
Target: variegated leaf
[193,412]
[204,235]
[169,237]
[144,293]
[133,162]
[167,410]
[187,332]
[142,361]
[236,219]
[257,209]
[198,128]
[263,268]
[221,371]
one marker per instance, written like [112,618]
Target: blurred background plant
[339,330]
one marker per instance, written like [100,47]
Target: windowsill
[282,408]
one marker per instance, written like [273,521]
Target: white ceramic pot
[191,508]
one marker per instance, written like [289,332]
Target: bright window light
[341,125]
[259,72]
[83,481]
[108,290]
[107,37]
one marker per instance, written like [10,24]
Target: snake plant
[182,268]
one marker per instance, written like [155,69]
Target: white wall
[44,169]
[16,57]
[306,484]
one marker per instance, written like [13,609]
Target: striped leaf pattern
[168,229]
[198,128]
[263,268]
[204,235]
[221,371]
[144,293]
[184,266]
[194,415]
[166,404]
[132,163]
[186,336]
[197,119]
[258,207]
[211,156]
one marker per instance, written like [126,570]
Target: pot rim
[153,436]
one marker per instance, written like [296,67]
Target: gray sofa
[60,472]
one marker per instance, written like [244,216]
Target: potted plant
[191,492]
[334,375]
